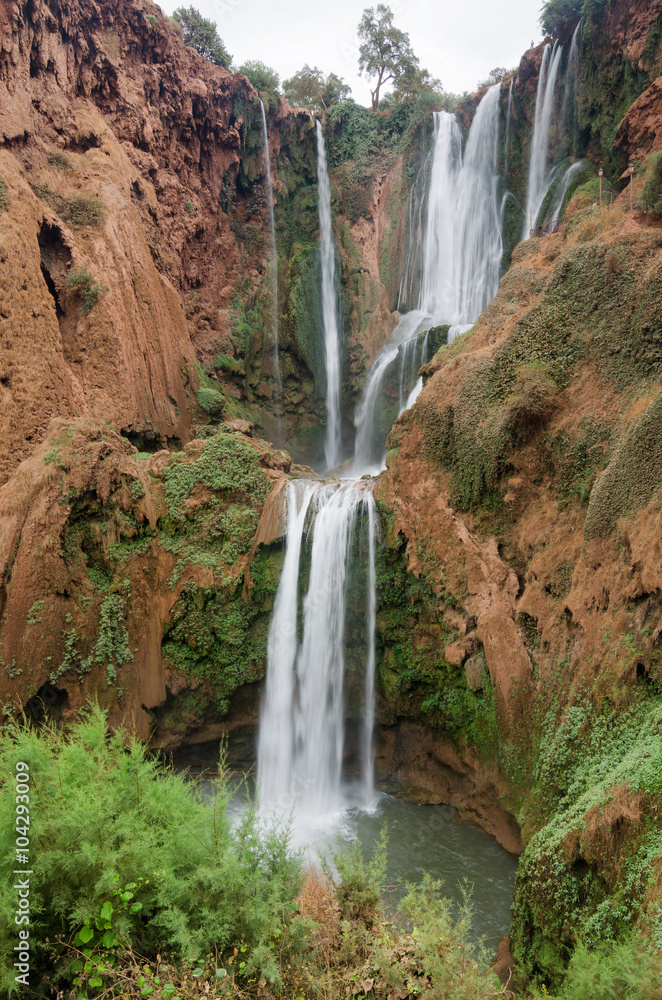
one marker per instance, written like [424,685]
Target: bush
[4,200]
[103,814]
[201,34]
[653,187]
[60,161]
[624,971]
[80,210]
[82,281]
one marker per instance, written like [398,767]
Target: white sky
[458,42]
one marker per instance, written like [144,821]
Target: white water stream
[460,246]
[329,308]
[274,266]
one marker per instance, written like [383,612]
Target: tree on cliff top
[386,53]
[263,77]
[558,15]
[201,34]
[309,88]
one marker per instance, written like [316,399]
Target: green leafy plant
[4,198]
[101,807]
[97,942]
[82,281]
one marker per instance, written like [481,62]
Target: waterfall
[275,746]
[367,762]
[274,280]
[509,114]
[461,249]
[570,122]
[329,309]
[301,730]
[538,184]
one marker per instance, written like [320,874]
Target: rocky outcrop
[523,489]
[124,579]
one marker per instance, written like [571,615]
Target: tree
[309,88]
[202,35]
[262,77]
[414,82]
[495,76]
[385,53]
[558,15]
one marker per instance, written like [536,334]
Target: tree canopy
[385,53]
[557,15]
[201,34]
[309,88]
[262,77]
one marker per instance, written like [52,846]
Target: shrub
[82,281]
[79,210]
[4,200]
[653,186]
[190,207]
[624,971]
[151,18]
[100,809]
[60,161]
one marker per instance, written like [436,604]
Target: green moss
[217,636]
[571,885]
[112,645]
[632,477]
[227,465]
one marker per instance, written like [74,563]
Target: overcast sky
[458,42]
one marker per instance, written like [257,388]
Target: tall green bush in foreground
[103,813]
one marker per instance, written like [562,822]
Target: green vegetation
[652,194]
[202,35]
[559,15]
[4,197]
[81,281]
[60,161]
[309,88]
[263,77]
[78,210]
[596,773]
[385,53]
[105,815]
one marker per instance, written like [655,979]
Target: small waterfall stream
[274,264]
[329,308]
[539,179]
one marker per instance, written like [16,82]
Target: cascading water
[539,180]
[329,309]
[509,114]
[461,247]
[570,123]
[274,280]
[301,729]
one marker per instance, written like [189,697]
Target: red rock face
[98,101]
[640,132]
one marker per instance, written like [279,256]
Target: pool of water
[421,839]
